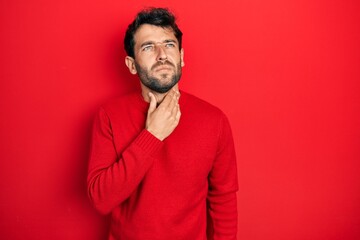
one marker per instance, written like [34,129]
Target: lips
[162,66]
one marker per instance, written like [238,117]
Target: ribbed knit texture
[181,188]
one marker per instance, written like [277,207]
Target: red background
[285,72]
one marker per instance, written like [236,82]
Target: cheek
[144,59]
[146,65]
[148,62]
[174,58]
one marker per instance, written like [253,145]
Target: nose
[161,53]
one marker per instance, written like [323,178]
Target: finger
[173,103]
[152,105]
[178,114]
[176,96]
[175,109]
[175,88]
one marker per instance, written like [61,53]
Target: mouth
[162,68]
[167,66]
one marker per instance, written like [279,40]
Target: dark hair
[161,17]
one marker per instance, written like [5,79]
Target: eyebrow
[152,42]
[170,40]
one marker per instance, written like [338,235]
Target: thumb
[152,106]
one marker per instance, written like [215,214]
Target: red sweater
[181,188]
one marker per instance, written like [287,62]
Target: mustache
[166,62]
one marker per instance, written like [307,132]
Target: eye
[147,48]
[170,45]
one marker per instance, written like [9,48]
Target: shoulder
[205,120]
[201,114]
[192,103]
[120,100]
[126,102]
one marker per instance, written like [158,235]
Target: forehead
[147,32]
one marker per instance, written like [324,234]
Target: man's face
[158,60]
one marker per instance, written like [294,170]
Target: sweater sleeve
[111,177]
[223,185]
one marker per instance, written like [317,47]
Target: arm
[223,184]
[112,178]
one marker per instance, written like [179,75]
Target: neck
[159,96]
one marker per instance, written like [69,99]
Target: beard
[160,84]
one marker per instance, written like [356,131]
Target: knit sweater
[183,187]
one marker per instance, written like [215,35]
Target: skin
[157,53]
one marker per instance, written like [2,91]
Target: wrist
[155,134]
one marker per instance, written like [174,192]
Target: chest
[189,151]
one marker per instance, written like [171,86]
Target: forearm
[223,216]
[112,175]
[109,185]
[223,185]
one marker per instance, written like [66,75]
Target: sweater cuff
[148,142]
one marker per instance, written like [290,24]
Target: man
[163,165]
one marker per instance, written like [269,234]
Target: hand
[162,120]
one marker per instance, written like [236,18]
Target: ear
[130,63]
[182,57]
